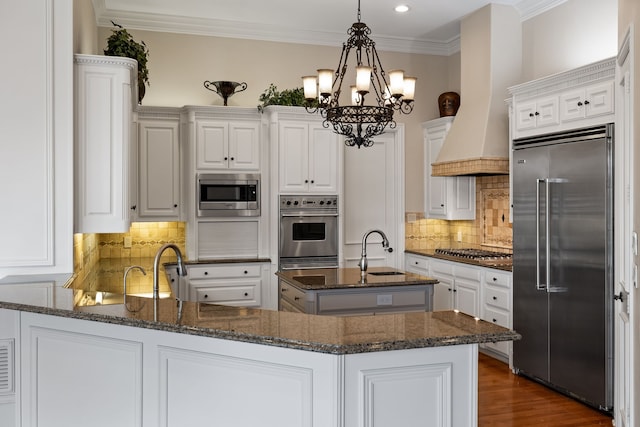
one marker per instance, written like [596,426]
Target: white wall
[575,33]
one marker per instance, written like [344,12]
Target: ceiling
[429,27]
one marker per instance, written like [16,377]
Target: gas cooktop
[475,256]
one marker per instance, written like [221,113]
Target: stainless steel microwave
[225,195]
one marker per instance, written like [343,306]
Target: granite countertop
[506,266]
[324,334]
[342,278]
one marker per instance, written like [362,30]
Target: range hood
[490,62]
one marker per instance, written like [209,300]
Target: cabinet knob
[442,205]
[296,298]
[232,159]
[246,272]
[306,181]
[175,205]
[530,114]
[312,181]
[416,262]
[495,278]
[206,273]
[133,208]
[246,294]
[495,298]
[226,158]
[495,321]
[449,289]
[206,295]
[455,290]
[579,103]
[586,102]
[537,114]
[173,280]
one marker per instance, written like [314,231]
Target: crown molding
[531,8]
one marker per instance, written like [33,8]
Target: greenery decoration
[121,43]
[290,97]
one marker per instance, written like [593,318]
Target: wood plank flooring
[508,400]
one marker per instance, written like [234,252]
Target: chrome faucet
[182,271]
[124,282]
[363,258]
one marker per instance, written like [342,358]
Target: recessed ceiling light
[402,8]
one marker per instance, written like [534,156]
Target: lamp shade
[363,78]
[309,83]
[409,88]
[325,81]
[396,82]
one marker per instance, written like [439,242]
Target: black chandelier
[358,122]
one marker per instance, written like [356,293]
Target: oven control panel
[306,202]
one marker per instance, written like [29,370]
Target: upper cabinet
[577,98]
[227,145]
[450,197]
[158,164]
[105,101]
[308,157]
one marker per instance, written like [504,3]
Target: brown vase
[448,103]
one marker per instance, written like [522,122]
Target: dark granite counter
[340,278]
[504,266]
[325,334]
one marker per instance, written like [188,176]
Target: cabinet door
[443,293]
[212,145]
[525,115]
[159,170]
[323,159]
[244,146]
[572,105]
[467,296]
[436,185]
[293,156]
[548,112]
[599,99]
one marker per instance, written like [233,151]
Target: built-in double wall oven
[308,232]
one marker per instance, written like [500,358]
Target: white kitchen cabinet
[459,287]
[590,101]
[236,284]
[537,114]
[228,145]
[105,101]
[159,172]
[496,307]
[308,158]
[581,97]
[446,197]
[416,264]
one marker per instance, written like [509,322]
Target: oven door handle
[306,214]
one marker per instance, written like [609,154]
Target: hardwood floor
[506,400]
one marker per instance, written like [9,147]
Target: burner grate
[476,254]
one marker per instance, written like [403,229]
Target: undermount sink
[386,273]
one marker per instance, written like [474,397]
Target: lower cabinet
[496,307]
[459,287]
[74,370]
[236,284]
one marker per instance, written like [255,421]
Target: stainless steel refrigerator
[563,262]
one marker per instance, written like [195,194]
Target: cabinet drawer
[231,295]
[442,268]
[496,316]
[497,297]
[492,277]
[221,271]
[293,296]
[417,263]
[468,273]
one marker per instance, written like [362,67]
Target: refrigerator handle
[547,235]
[539,286]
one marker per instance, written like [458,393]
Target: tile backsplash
[490,230]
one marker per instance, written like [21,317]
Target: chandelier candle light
[358,122]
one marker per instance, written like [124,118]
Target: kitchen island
[203,364]
[345,291]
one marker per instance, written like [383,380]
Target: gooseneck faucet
[363,258]
[124,282]
[182,271]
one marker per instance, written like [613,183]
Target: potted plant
[290,97]
[121,43]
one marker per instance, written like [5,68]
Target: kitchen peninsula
[203,363]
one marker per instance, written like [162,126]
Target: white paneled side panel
[196,388]
[227,239]
[6,366]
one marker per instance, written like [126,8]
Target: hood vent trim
[476,166]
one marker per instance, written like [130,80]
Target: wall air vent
[6,366]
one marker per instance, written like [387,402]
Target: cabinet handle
[296,298]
